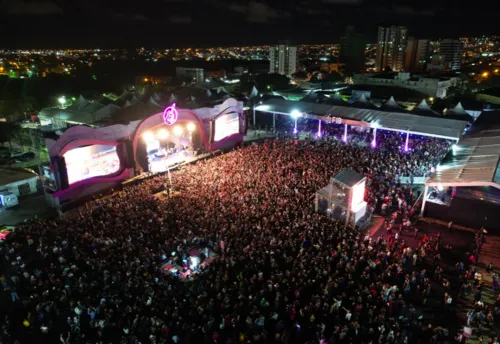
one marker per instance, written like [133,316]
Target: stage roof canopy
[396,121]
[471,162]
[474,160]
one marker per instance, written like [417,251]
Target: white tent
[253,93]
[404,122]
[172,98]
[473,162]
[458,110]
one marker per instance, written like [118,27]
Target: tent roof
[458,110]
[423,109]
[336,100]
[92,107]
[253,93]
[472,162]
[172,98]
[392,105]
[459,113]
[397,121]
[107,110]
[363,103]
[311,97]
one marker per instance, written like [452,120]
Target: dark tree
[300,75]
[8,132]
[273,81]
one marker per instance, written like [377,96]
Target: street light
[62,100]
[295,114]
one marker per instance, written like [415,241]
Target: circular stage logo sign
[170,115]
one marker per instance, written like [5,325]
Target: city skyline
[111,24]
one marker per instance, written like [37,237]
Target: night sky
[181,23]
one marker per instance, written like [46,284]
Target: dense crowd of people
[282,273]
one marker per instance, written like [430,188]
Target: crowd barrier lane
[445,224]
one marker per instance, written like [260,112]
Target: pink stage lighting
[170,115]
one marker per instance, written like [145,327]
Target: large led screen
[358,195]
[226,125]
[91,161]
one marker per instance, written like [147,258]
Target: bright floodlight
[191,127]
[62,100]
[178,130]
[262,107]
[162,134]
[295,113]
[148,136]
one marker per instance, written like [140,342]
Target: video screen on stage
[226,125]
[91,161]
[358,195]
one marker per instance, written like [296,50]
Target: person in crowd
[280,273]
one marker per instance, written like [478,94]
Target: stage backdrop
[101,158]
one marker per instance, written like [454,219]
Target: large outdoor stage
[87,160]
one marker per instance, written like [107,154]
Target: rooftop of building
[12,175]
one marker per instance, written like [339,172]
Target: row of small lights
[163,133]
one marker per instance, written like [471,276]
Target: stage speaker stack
[61,172]
[129,149]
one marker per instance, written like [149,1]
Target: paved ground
[28,208]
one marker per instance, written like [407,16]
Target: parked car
[16,154]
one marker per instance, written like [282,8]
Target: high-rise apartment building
[195,75]
[451,50]
[391,47]
[352,51]
[417,55]
[283,59]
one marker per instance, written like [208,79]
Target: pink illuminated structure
[170,115]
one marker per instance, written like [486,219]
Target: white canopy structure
[408,123]
[458,110]
[472,162]
[253,93]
